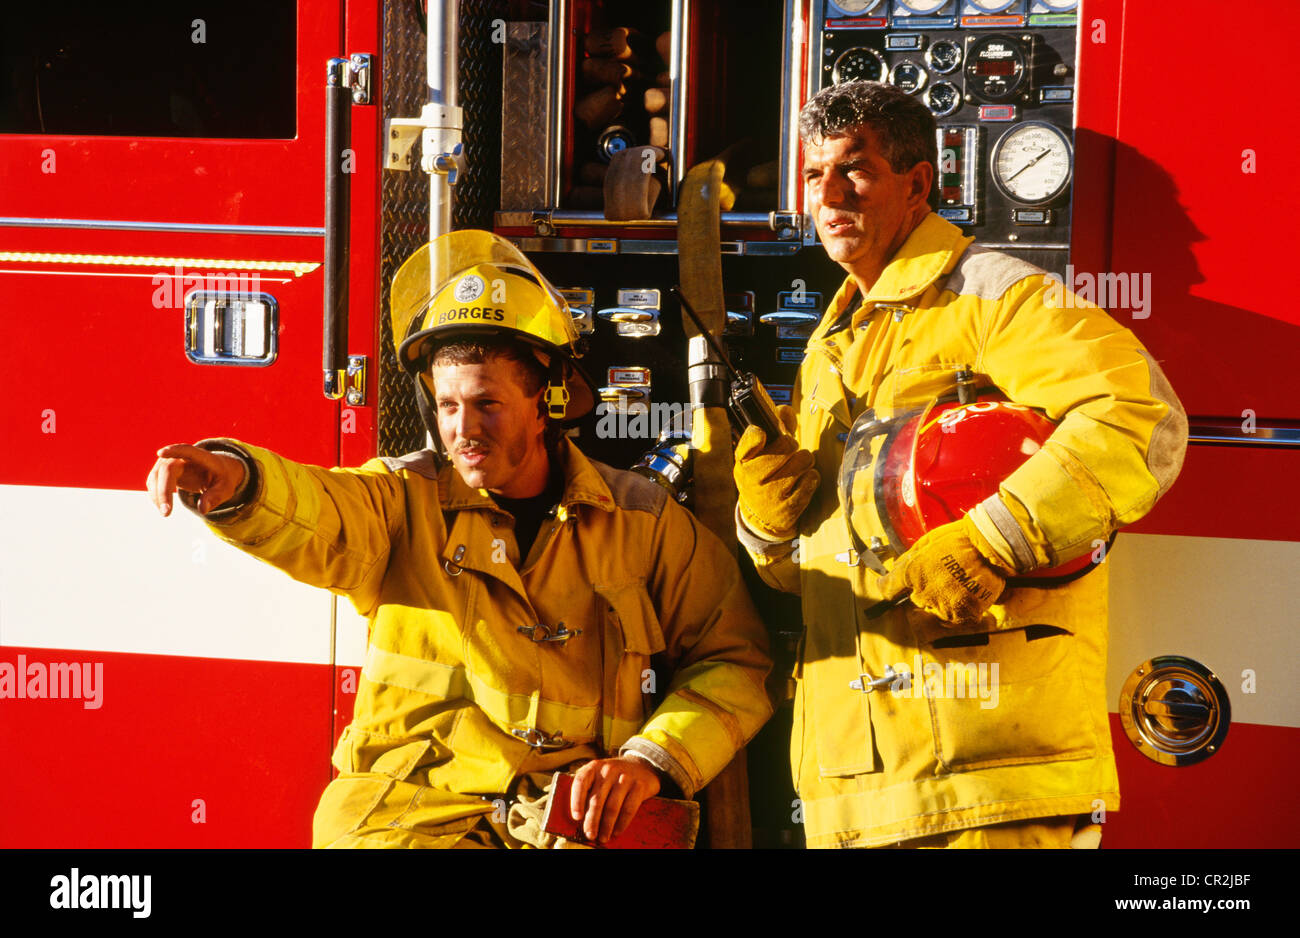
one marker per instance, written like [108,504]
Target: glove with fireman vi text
[774,478]
[952,571]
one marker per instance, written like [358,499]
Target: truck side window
[149,68]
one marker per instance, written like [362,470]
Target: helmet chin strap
[557,395]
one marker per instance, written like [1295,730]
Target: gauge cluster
[999,77]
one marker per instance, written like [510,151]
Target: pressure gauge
[943,98]
[996,67]
[1059,6]
[859,64]
[1032,163]
[944,56]
[922,7]
[908,76]
[990,6]
[852,7]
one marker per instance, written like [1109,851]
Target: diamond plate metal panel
[405,205]
[523,117]
[405,196]
[478,192]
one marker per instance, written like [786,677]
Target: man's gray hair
[904,125]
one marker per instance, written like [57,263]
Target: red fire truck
[179,258]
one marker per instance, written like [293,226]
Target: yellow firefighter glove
[952,571]
[774,479]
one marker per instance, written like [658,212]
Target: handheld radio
[749,401]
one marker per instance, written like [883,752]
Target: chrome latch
[623,395]
[866,683]
[539,740]
[636,315]
[543,224]
[357,77]
[231,328]
[356,380]
[1174,710]
[740,313]
[790,317]
[581,302]
[787,225]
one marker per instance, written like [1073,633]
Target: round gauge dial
[944,56]
[943,98]
[990,6]
[1032,163]
[996,67]
[859,65]
[922,6]
[852,7]
[1060,6]
[908,76]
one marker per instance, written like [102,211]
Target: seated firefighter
[516,590]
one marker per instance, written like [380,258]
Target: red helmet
[911,474]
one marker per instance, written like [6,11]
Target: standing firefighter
[892,741]
[516,590]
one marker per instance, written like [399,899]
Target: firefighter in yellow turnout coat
[624,633]
[920,764]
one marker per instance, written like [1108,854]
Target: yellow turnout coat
[1027,736]
[626,628]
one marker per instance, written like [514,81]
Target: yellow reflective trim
[697,726]
[690,722]
[720,684]
[450,682]
[298,268]
[427,677]
[873,816]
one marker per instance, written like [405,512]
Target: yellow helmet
[475,282]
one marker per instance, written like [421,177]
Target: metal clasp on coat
[866,683]
[544,633]
[897,311]
[452,566]
[867,558]
[539,740]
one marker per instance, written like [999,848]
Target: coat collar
[930,252]
[582,484]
